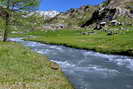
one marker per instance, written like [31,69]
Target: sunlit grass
[20,68]
[118,43]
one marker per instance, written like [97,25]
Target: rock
[102,15]
[54,66]
[112,10]
[87,33]
[111,33]
[103,23]
[53,26]
[84,33]
[98,27]
[115,23]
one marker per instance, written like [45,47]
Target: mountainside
[73,17]
[120,11]
[119,3]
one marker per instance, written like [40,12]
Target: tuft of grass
[21,68]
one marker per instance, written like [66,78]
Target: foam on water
[52,46]
[119,60]
[64,64]
[104,72]
[123,62]
[15,39]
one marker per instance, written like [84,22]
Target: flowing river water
[87,69]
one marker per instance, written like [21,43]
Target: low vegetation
[20,68]
[118,42]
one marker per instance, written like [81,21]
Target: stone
[111,33]
[54,66]
[102,24]
[115,22]
[87,33]
[84,33]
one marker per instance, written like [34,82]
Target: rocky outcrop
[120,11]
[53,26]
[111,11]
[101,15]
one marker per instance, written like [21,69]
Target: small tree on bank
[10,7]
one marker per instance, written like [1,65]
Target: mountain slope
[110,10]
[120,10]
[119,3]
[74,16]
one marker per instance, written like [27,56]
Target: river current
[88,69]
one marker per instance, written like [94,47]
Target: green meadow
[121,43]
[21,68]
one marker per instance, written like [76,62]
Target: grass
[115,44]
[21,68]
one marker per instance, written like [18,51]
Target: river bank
[121,44]
[87,69]
[22,68]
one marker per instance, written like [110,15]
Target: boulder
[87,33]
[115,22]
[54,66]
[111,33]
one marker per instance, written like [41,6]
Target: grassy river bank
[98,41]
[21,68]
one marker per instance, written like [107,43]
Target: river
[88,69]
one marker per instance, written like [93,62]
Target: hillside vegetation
[73,17]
